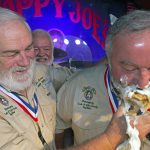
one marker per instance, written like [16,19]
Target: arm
[116,133]
[64,115]
[101,142]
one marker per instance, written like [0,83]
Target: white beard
[18,82]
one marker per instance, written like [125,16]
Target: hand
[116,131]
[142,124]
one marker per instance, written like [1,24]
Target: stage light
[77,42]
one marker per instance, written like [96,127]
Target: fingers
[116,131]
[142,123]
[119,113]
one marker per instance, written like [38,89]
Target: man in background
[44,50]
[57,74]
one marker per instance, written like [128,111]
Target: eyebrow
[8,51]
[127,63]
[29,45]
[13,50]
[43,46]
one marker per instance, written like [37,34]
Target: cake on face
[136,102]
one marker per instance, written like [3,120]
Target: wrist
[113,139]
[108,142]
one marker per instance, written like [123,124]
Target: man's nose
[24,60]
[143,78]
[41,51]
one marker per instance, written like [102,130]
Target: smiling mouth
[20,72]
[41,59]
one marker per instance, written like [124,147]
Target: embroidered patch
[40,82]
[86,102]
[10,110]
[88,92]
[44,83]
[3,101]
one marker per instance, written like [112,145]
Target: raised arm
[115,133]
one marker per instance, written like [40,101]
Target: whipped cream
[128,94]
[133,133]
[133,142]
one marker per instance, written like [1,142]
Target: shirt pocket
[22,122]
[49,113]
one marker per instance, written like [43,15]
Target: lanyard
[32,112]
[112,97]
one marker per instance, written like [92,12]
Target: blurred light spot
[66,41]
[77,42]
[55,40]
[84,43]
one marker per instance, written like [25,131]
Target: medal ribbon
[112,97]
[32,112]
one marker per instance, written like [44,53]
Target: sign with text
[85,21]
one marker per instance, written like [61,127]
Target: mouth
[21,74]
[21,71]
[139,101]
[42,59]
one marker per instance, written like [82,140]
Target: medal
[112,97]
[32,112]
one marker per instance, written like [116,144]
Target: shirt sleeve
[65,100]
[59,75]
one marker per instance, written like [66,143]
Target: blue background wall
[85,20]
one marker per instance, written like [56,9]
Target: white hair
[7,15]
[135,21]
[43,33]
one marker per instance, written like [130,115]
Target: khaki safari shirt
[58,75]
[18,131]
[83,104]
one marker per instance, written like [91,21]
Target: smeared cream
[133,133]
[133,142]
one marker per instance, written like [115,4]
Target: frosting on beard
[136,102]
[133,142]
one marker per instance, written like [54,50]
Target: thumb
[120,112]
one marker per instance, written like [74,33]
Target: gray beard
[12,82]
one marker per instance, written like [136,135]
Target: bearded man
[27,108]
[88,100]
